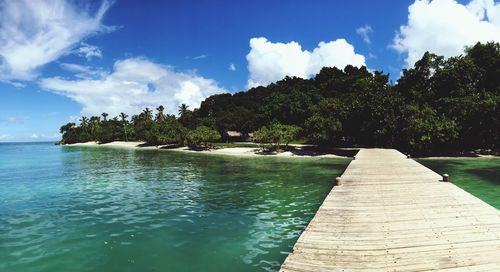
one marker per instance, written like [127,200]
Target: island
[437,107]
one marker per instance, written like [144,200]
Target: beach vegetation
[437,104]
[276,136]
[202,136]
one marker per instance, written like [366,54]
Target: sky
[60,60]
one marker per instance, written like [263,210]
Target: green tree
[171,132]
[111,130]
[276,135]
[94,127]
[123,118]
[324,126]
[69,133]
[160,115]
[143,125]
[424,130]
[202,136]
[84,130]
[438,104]
[104,116]
[183,109]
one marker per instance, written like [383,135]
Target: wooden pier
[393,214]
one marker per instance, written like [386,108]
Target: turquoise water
[478,176]
[104,209]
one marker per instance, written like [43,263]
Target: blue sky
[125,55]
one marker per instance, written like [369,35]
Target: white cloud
[134,84]
[34,33]
[232,67]
[365,32]
[445,27]
[34,136]
[88,51]
[200,57]
[269,62]
[4,136]
[81,71]
[14,83]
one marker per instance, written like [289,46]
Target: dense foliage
[202,136]
[160,129]
[276,135]
[439,104]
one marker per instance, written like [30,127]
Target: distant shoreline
[257,152]
[232,151]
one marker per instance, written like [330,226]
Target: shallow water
[106,209]
[478,176]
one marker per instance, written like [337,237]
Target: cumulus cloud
[88,51]
[445,27]
[134,84]
[4,136]
[365,32]
[232,67]
[269,62]
[34,33]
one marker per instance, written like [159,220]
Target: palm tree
[183,109]
[135,119]
[104,116]
[94,126]
[84,121]
[160,116]
[148,114]
[123,116]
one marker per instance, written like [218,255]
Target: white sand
[234,151]
[112,144]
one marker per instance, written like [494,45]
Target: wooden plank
[393,214]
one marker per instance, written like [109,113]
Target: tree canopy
[438,104]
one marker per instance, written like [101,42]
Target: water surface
[107,209]
[478,176]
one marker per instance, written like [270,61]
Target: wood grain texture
[393,214]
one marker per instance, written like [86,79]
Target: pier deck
[393,214]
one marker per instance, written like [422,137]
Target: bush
[276,135]
[169,131]
[202,136]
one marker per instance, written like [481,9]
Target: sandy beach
[233,151]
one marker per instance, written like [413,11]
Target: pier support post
[446,178]
[408,156]
[338,181]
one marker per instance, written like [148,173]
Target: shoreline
[253,151]
[230,151]
[479,156]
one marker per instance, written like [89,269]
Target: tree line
[437,105]
[154,129]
